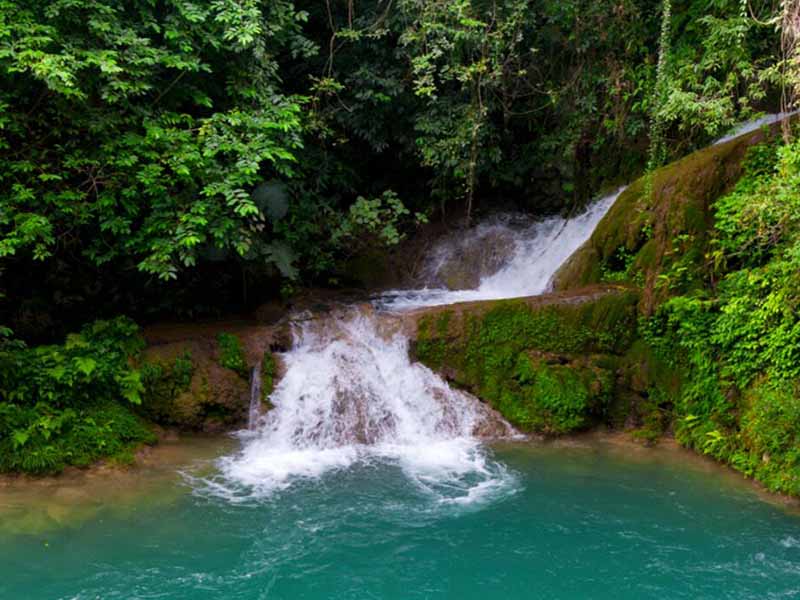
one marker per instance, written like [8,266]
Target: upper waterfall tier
[507,257]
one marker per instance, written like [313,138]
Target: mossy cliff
[656,233]
[548,364]
[712,242]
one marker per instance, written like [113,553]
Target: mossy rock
[209,397]
[214,394]
[164,380]
[552,398]
[647,388]
[470,260]
[548,364]
[661,224]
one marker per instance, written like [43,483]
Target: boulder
[191,380]
[548,364]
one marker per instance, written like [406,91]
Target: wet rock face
[548,364]
[462,259]
[189,381]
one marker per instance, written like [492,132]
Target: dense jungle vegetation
[176,159]
[734,342]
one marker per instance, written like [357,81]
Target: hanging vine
[790,51]
[658,146]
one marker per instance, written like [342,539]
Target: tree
[138,130]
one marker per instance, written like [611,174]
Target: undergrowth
[737,340]
[70,404]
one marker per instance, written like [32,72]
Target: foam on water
[350,395]
[790,542]
[540,248]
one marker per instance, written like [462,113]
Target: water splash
[254,412]
[350,394]
[539,249]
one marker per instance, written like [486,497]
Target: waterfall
[749,126]
[254,413]
[538,249]
[350,393]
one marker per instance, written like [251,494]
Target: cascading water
[749,126]
[538,249]
[350,392]
[254,411]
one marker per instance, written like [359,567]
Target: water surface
[589,519]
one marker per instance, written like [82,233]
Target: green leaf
[20,438]
[85,364]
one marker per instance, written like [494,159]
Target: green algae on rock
[658,239]
[197,377]
[548,364]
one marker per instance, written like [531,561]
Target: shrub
[69,404]
[231,354]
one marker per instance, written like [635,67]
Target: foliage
[739,343]
[467,60]
[121,137]
[231,354]
[658,148]
[43,439]
[69,404]
[234,145]
[380,218]
[771,436]
[90,365]
[164,381]
[619,266]
[707,86]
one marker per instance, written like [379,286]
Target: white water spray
[539,249]
[352,395]
[254,411]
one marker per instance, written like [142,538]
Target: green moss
[164,381]
[646,259]
[231,354]
[529,361]
[605,324]
[432,338]
[553,398]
